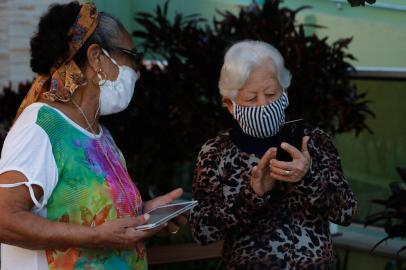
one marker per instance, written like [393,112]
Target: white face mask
[115,96]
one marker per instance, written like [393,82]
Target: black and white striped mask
[262,121]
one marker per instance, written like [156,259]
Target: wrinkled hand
[294,170]
[261,180]
[121,233]
[173,226]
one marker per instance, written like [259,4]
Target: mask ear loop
[234,107]
[115,62]
[101,74]
[111,58]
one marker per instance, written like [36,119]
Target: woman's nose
[262,100]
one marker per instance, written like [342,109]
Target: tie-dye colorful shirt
[85,181]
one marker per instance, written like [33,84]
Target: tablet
[165,213]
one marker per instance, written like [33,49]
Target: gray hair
[241,58]
[107,34]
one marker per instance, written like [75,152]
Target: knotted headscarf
[65,77]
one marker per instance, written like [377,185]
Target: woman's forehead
[266,68]
[261,77]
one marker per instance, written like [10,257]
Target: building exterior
[18,18]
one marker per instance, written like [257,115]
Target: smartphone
[291,132]
[165,213]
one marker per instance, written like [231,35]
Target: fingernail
[146,217]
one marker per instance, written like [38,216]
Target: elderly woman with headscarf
[66,198]
[271,214]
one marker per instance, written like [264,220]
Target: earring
[102,76]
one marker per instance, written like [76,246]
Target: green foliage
[394,214]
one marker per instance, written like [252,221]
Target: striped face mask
[262,121]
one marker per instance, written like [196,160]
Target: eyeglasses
[135,55]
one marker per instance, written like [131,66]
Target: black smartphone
[291,132]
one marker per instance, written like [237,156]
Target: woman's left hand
[294,170]
[173,225]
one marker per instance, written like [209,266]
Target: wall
[378,34]
[370,160]
[19,19]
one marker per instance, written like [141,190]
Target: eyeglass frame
[134,53]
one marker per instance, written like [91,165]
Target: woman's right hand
[261,181]
[122,234]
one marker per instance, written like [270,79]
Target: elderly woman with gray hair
[271,214]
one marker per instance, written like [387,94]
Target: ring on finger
[286,173]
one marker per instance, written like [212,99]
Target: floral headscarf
[66,76]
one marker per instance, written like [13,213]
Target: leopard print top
[285,229]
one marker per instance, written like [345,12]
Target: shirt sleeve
[27,149]
[216,213]
[325,188]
